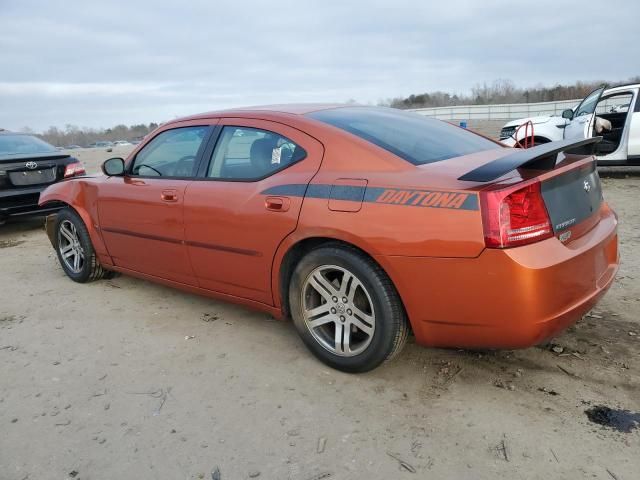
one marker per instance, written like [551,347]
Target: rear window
[20,144]
[415,138]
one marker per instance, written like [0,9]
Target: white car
[616,119]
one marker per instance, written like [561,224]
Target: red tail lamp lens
[73,170]
[515,217]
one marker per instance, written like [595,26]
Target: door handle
[169,195]
[277,204]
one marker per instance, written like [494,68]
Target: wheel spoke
[66,249]
[346,338]
[322,286]
[315,312]
[321,321]
[69,253]
[338,338]
[76,262]
[67,233]
[362,326]
[360,315]
[353,286]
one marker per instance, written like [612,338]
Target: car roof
[623,85]
[286,109]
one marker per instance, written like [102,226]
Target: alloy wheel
[338,310]
[69,246]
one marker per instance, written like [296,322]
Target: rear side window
[244,153]
[410,136]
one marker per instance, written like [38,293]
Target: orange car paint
[228,239]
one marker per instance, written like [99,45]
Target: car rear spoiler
[542,157]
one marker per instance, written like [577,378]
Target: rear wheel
[74,248]
[346,309]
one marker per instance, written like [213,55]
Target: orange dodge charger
[359,223]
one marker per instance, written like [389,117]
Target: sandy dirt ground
[125,379]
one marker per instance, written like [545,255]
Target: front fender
[81,194]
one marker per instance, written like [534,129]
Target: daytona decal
[423,198]
[389,196]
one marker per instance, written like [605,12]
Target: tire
[358,335]
[71,242]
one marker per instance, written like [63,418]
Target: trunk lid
[573,199]
[21,171]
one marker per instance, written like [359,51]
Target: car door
[633,149]
[581,125]
[141,214]
[247,202]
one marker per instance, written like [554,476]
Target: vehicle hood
[537,120]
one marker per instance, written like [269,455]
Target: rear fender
[82,196]
[299,236]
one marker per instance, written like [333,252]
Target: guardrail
[511,111]
[507,111]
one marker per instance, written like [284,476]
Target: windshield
[21,144]
[415,138]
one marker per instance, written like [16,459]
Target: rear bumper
[23,202]
[512,298]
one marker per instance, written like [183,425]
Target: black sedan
[27,166]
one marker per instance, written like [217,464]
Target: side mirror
[114,167]
[568,114]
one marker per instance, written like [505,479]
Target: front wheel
[74,248]
[346,310]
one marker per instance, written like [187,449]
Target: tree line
[500,91]
[84,136]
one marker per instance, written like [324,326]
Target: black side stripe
[392,196]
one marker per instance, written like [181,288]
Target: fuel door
[346,194]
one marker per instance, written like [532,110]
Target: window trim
[210,129]
[213,143]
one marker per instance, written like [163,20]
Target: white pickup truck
[619,107]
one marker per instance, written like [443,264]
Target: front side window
[588,105]
[172,153]
[415,138]
[244,153]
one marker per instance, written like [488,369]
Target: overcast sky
[100,63]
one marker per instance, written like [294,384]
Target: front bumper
[512,298]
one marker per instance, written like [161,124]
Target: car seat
[261,154]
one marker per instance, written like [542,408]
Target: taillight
[73,170]
[515,217]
